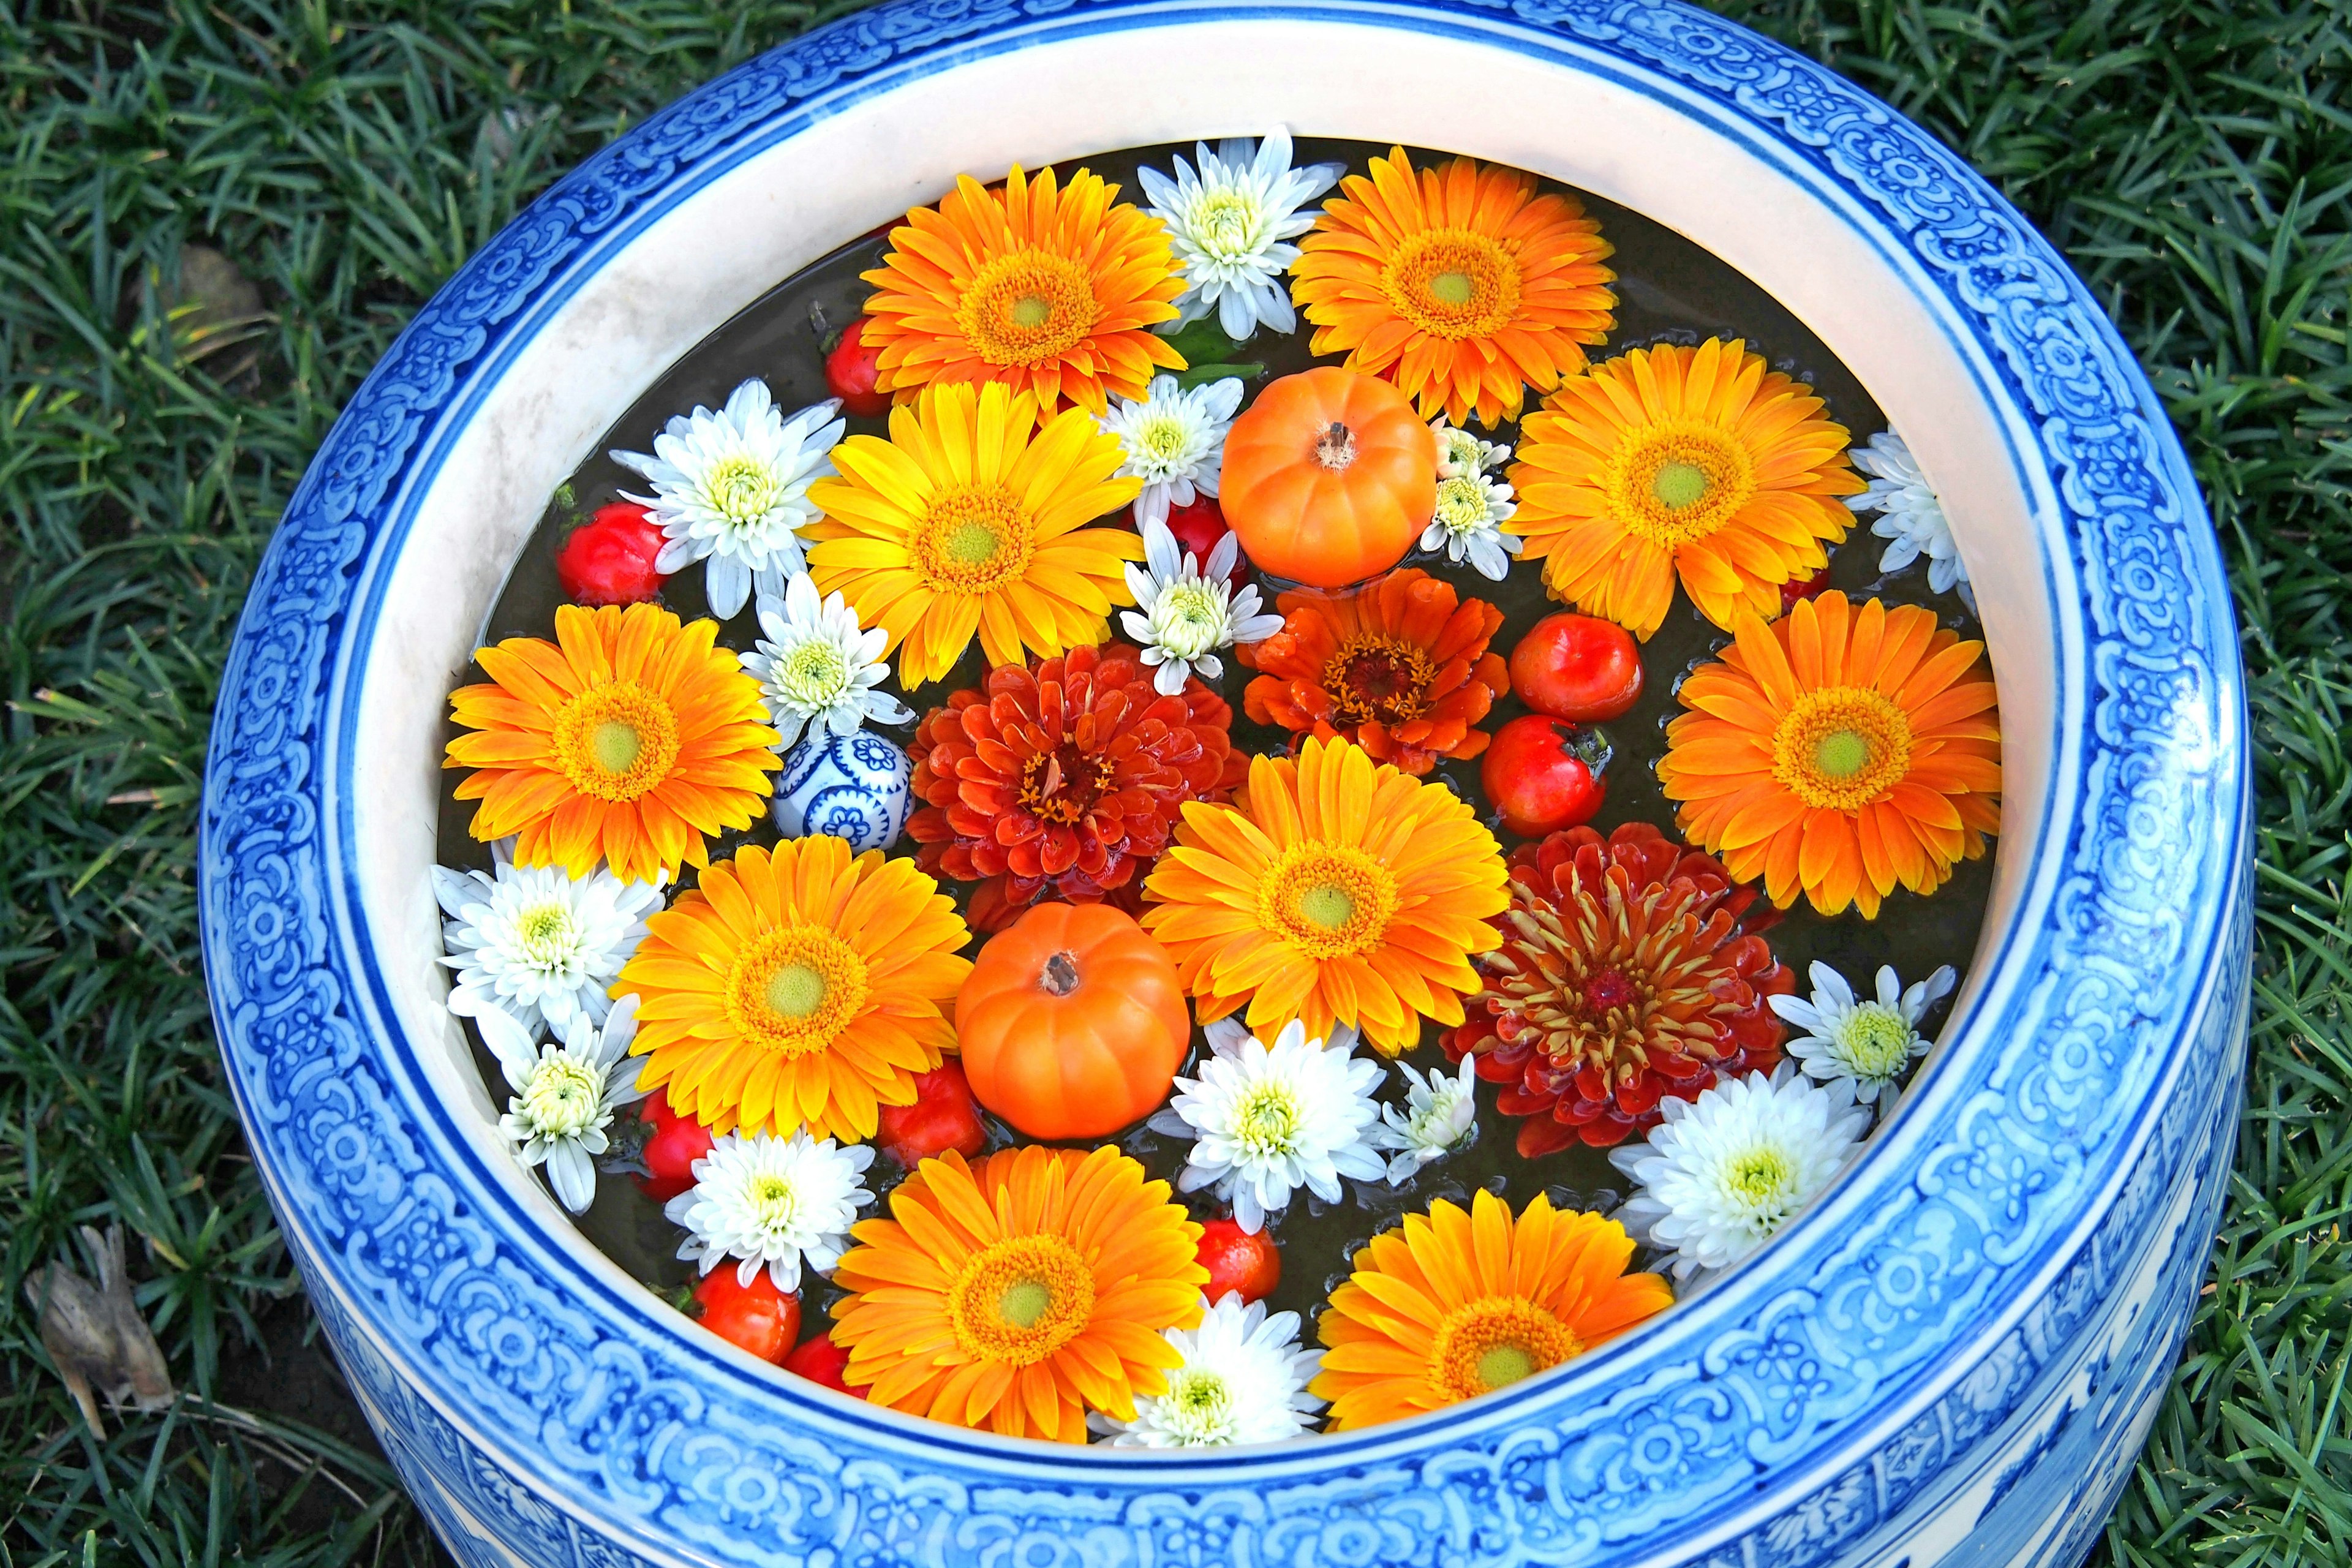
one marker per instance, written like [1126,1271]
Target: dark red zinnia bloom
[1630,972]
[1064,779]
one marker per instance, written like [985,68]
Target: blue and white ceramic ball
[852,786]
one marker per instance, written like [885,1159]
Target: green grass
[2195,160]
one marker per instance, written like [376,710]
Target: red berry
[1576,667]
[1790,593]
[1239,1260]
[820,1361]
[677,1142]
[851,371]
[943,1117]
[609,559]
[758,1317]
[1544,774]
[1198,528]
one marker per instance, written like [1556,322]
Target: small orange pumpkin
[1073,1022]
[1328,476]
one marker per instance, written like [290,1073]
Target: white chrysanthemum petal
[1243,1379]
[771,1202]
[1228,223]
[1439,1116]
[535,943]
[1174,439]
[1910,513]
[1868,1045]
[816,669]
[565,1095]
[1268,1121]
[1186,614]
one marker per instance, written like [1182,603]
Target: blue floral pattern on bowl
[852,786]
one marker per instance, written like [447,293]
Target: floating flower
[1267,1120]
[1185,612]
[815,667]
[731,489]
[1460,285]
[629,739]
[1064,781]
[1911,514]
[1625,979]
[1692,461]
[1440,1115]
[1867,1043]
[564,1095]
[1340,893]
[1052,293]
[1173,441]
[1454,1305]
[1399,665]
[969,518]
[1467,523]
[1727,1170]
[1461,455]
[1230,224]
[772,1202]
[534,943]
[1018,1292]
[798,988]
[1241,1379]
[1839,753]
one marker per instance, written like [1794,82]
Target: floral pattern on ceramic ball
[852,786]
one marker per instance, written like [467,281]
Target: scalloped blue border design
[1966,1340]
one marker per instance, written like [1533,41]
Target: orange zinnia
[798,989]
[628,738]
[1454,1305]
[1838,752]
[1051,292]
[1399,667]
[1016,1293]
[1671,460]
[1460,285]
[1339,891]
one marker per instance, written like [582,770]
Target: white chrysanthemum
[1909,513]
[1439,1116]
[1185,612]
[1724,1171]
[1461,455]
[1243,1379]
[816,669]
[1868,1044]
[1229,225]
[1173,440]
[565,1095]
[535,943]
[1268,1122]
[781,1202]
[1469,508]
[732,488]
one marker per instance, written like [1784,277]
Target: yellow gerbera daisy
[961,521]
[1050,292]
[797,989]
[1017,1293]
[628,738]
[1697,461]
[1337,891]
[1460,285]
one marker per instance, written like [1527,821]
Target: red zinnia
[1064,779]
[1630,970]
[1399,667]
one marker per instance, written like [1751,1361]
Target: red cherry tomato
[1238,1260]
[1578,666]
[943,1117]
[1199,527]
[820,1361]
[609,559]
[851,370]
[1793,592]
[1544,774]
[677,1142]
[758,1317]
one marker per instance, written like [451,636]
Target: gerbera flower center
[970,538]
[1840,747]
[1378,679]
[740,488]
[1677,482]
[1027,307]
[1327,900]
[1266,1120]
[1875,1041]
[812,674]
[560,1099]
[1454,283]
[615,742]
[1018,1300]
[1495,1342]
[792,990]
[1063,784]
[548,936]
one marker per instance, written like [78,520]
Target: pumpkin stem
[1336,448]
[1061,976]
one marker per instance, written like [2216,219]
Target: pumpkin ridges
[1299,519]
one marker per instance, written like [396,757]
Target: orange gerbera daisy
[1838,752]
[628,738]
[1337,891]
[971,518]
[1671,461]
[1050,292]
[1454,1305]
[1016,1293]
[1460,285]
[1399,667]
[797,989]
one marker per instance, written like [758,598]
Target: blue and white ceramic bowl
[852,786]
[1952,1359]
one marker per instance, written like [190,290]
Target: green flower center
[1188,619]
[1761,1176]
[971,543]
[812,674]
[1023,1302]
[1504,1365]
[1162,439]
[1462,504]
[773,1201]
[1875,1042]
[1453,287]
[741,489]
[616,745]
[1677,484]
[1267,1119]
[1327,906]
[548,935]
[1031,310]
[796,991]
[1225,224]
[560,1099]
[1842,753]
